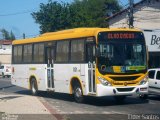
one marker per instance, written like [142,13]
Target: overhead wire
[19,12]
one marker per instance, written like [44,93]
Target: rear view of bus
[121,64]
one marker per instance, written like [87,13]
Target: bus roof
[69,34]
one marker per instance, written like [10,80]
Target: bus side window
[77,50]
[17,54]
[62,51]
[38,54]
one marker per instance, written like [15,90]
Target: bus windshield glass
[121,52]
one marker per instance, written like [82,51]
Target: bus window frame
[35,62]
[84,52]
[13,58]
[31,54]
[54,44]
[56,52]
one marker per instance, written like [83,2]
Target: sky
[15,16]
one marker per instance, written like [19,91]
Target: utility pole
[130,14]
[24,36]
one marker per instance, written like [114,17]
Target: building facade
[5,51]
[147,18]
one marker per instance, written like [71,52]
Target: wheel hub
[78,92]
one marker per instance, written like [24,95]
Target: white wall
[5,54]
[153,40]
[146,16]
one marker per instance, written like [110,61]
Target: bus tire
[34,88]
[143,96]
[78,94]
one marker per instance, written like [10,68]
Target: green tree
[55,16]
[52,16]
[6,35]
[12,36]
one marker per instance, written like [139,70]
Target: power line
[124,6]
[17,13]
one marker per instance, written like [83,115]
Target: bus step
[92,93]
[50,89]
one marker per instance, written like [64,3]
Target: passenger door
[50,57]
[91,67]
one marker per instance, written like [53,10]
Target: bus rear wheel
[34,88]
[78,94]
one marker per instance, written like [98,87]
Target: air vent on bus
[128,78]
[125,89]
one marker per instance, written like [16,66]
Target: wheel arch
[73,81]
[30,78]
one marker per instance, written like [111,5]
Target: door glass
[151,74]
[91,52]
[48,56]
[158,75]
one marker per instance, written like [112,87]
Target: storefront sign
[153,40]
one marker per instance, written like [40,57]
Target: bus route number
[74,69]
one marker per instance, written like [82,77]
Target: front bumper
[126,90]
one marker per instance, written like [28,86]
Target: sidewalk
[20,107]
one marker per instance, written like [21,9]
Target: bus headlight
[104,82]
[144,81]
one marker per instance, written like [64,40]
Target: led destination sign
[120,36]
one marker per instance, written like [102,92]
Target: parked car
[5,70]
[154,80]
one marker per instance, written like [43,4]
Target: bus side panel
[22,74]
[65,72]
[39,71]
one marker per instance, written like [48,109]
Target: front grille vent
[128,78]
[125,89]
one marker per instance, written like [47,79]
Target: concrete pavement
[14,106]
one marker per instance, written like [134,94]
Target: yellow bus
[83,62]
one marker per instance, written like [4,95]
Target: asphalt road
[94,108]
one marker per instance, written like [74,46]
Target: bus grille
[125,89]
[128,78]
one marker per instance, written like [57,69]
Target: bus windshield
[121,55]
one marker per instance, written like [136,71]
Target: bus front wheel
[78,94]
[34,88]
[143,96]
